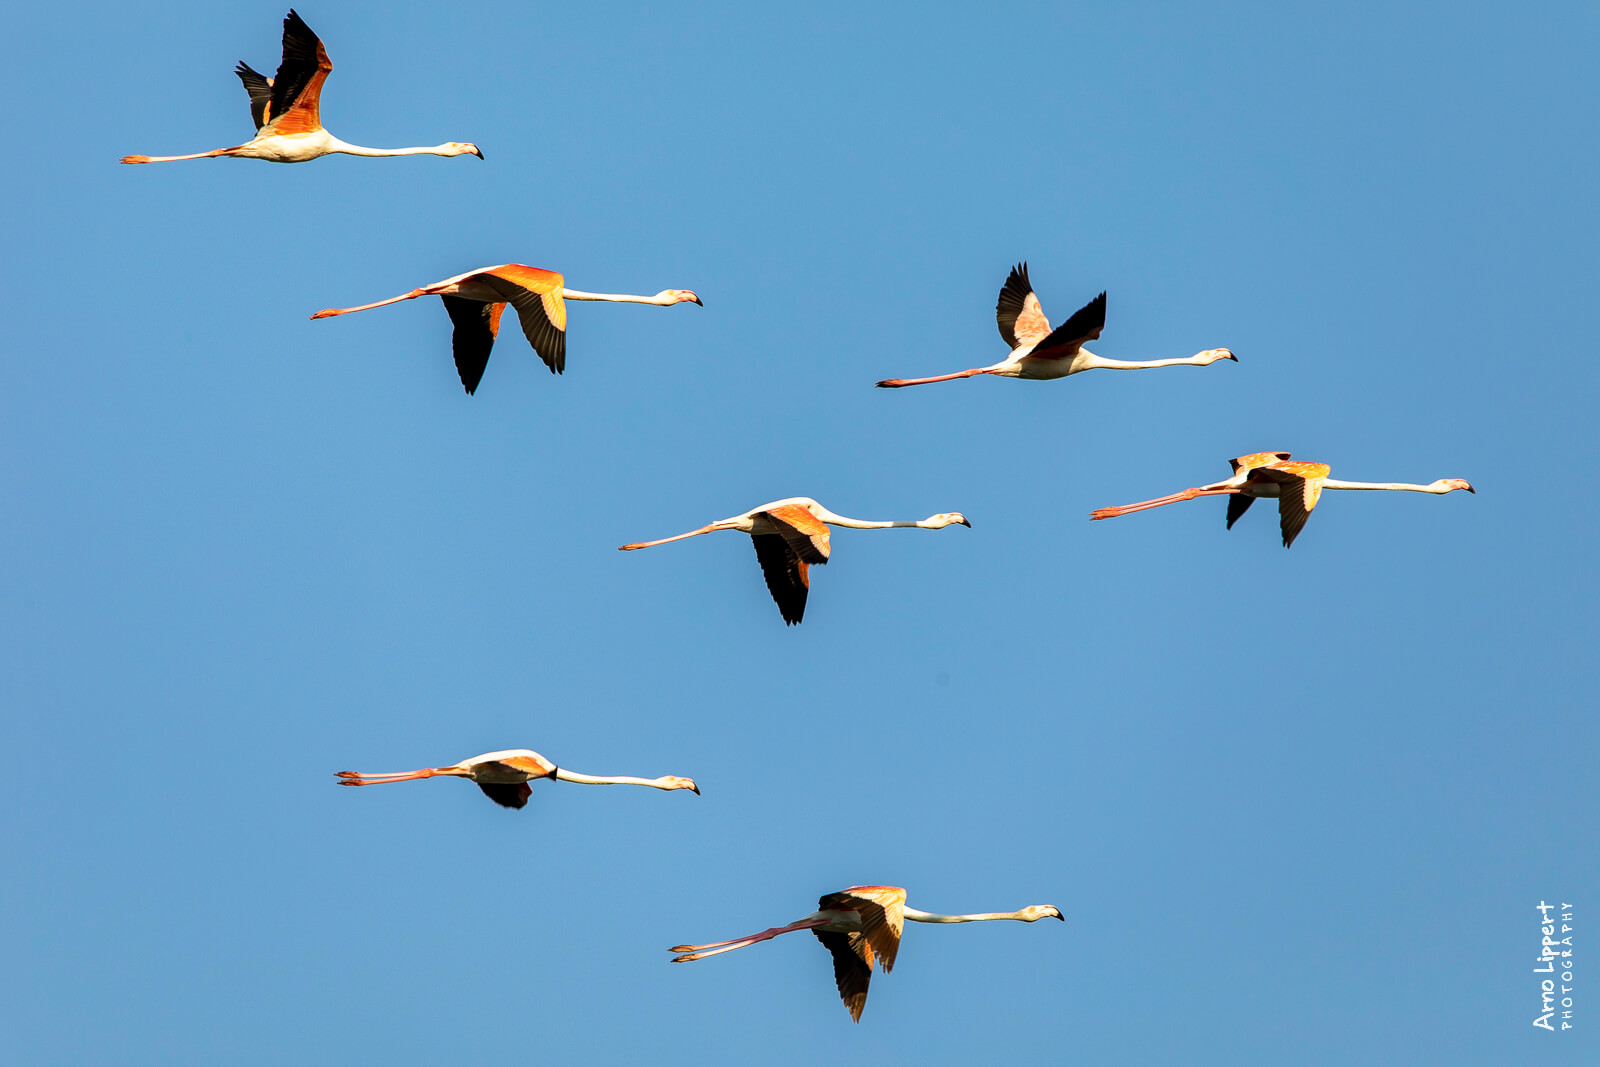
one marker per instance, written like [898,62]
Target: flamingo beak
[965,522]
[1060,916]
[697,300]
[1233,357]
[477,151]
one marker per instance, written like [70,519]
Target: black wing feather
[549,342]
[1085,325]
[786,574]
[1238,504]
[507,796]
[260,90]
[1013,297]
[473,338]
[851,973]
[298,65]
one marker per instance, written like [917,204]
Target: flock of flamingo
[860,926]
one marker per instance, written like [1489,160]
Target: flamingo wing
[882,911]
[1238,504]
[1256,459]
[852,968]
[1018,314]
[477,324]
[295,106]
[536,294]
[1299,489]
[788,576]
[507,796]
[1085,325]
[806,534]
[259,87]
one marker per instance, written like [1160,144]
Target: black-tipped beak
[696,789]
[1471,490]
[1233,357]
[697,300]
[966,523]
[1060,916]
[477,151]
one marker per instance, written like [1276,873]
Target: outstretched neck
[1436,488]
[357,150]
[615,298]
[863,524]
[1094,362]
[983,916]
[564,775]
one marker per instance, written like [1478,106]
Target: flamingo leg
[174,159]
[697,952]
[898,383]
[1160,501]
[358,778]
[692,533]
[329,312]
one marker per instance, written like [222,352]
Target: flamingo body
[1296,485]
[1039,353]
[790,535]
[476,300]
[504,776]
[287,110]
[860,927]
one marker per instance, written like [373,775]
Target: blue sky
[1297,806]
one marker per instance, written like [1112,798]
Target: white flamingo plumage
[287,110]
[504,776]
[1040,353]
[790,535]
[859,927]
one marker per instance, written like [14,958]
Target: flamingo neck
[1090,361]
[1332,483]
[983,916]
[344,148]
[615,298]
[565,775]
[863,524]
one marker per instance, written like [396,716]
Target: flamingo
[790,535]
[1041,353]
[286,110]
[476,299]
[858,926]
[504,776]
[1297,485]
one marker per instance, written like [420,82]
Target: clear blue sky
[1297,806]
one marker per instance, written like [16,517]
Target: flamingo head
[674,782]
[1034,912]
[462,148]
[948,518]
[678,296]
[1213,354]
[1450,485]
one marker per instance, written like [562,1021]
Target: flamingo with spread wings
[1038,352]
[861,927]
[287,110]
[504,776]
[1296,485]
[790,535]
[475,301]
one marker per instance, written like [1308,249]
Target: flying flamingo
[1039,352]
[859,926]
[504,776]
[285,110]
[476,299]
[1296,485]
[790,535]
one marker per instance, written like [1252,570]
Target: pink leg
[330,312]
[696,952]
[1160,501]
[358,778]
[692,533]
[174,159]
[898,383]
